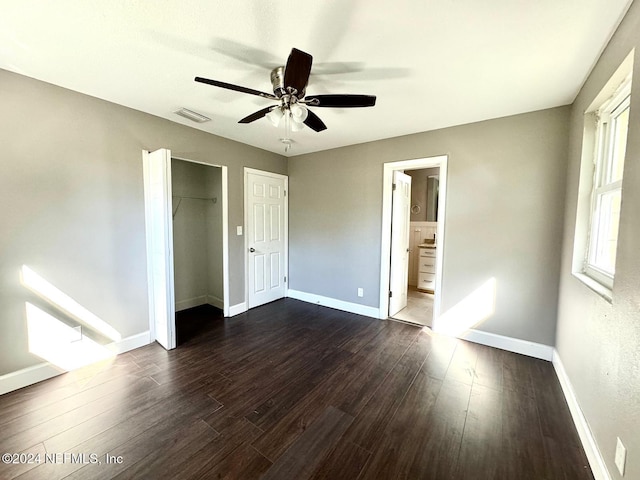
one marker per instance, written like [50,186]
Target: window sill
[604,292]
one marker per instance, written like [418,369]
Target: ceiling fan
[289,89]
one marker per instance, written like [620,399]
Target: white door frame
[385,251]
[225,244]
[247,171]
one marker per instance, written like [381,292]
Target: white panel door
[159,233]
[400,215]
[266,236]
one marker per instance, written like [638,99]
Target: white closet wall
[215,284]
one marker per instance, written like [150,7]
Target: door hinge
[390,294]
[285,279]
[285,193]
[393,187]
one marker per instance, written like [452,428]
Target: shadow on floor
[195,321]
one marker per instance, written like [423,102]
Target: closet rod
[180,197]
[213,199]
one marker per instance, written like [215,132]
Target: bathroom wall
[419,191]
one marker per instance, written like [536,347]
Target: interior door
[266,236]
[399,269]
[159,233]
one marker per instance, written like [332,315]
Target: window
[612,121]
[604,144]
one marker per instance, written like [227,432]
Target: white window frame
[610,100]
[603,184]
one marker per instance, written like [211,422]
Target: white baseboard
[27,376]
[191,302]
[515,345]
[215,301]
[130,343]
[237,309]
[598,466]
[524,347]
[333,303]
[43,371]
[201,300]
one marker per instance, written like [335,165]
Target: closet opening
[197,217]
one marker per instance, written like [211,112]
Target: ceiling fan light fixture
[275,116]
[289,84]
[296,126]
[299,112]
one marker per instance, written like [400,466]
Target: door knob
[252,249]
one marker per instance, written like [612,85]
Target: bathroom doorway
[423,227]
[424,242]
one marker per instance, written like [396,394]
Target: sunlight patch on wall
[64,302]
[470,312]
[59,344]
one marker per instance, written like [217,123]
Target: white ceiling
[431,63]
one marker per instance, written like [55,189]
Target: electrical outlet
[361,292]
[621,456]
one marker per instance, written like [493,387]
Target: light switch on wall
[239,230]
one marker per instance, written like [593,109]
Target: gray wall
[503,217]
[599,342]
[73,208]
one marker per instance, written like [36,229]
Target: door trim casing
[285,178]
[385,243]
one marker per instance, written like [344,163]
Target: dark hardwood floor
[297,391]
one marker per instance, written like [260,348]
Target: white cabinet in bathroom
[427,268]
[420,232]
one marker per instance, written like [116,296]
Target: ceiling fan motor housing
[277,80]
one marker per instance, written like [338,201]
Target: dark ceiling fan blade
[341,101]
[314,123]
[297,70]
[236,88]
[256,115]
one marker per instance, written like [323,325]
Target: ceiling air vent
[191,115]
